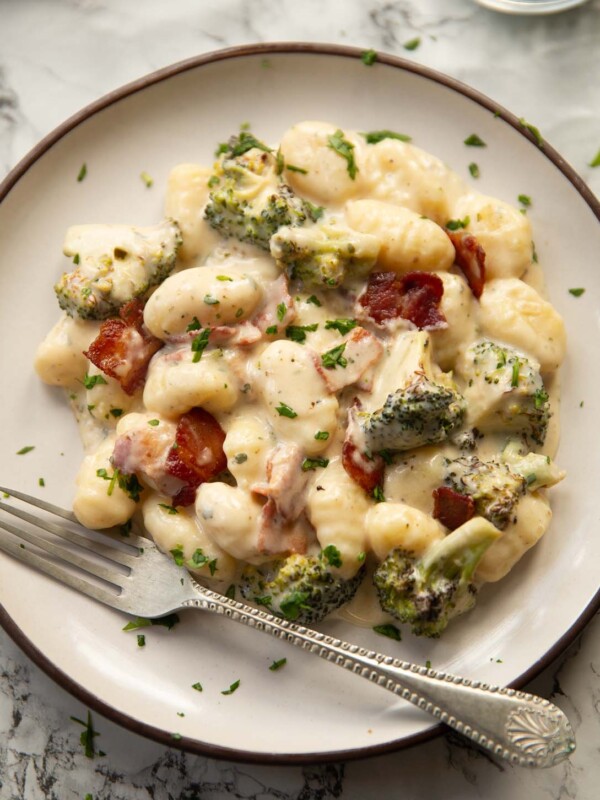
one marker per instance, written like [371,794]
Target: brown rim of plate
[286,48]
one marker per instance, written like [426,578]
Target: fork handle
[519,727]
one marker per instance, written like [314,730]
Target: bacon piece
[361,351]
[197,454]
[451,508]
[275,536]
[286,481]
[366,471]
[415,297]
[123,347]
[143,450]
[277,307]
[470,257]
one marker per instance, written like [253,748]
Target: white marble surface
[58,55]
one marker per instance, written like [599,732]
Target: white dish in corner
[309,711]
[530,7]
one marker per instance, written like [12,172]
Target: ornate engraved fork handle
[519,727]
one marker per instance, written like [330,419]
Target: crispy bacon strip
[470,257]
[451,508]
[415,296]
[123,347]
[361,351]
[276,536]
[366,471]
[197,454]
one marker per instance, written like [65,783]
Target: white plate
[530,6]
[310,710]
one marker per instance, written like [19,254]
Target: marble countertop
[58,55]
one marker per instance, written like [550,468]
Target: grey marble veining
[58,55]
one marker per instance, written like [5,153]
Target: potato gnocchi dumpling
[343,379]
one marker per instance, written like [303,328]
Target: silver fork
[140,580]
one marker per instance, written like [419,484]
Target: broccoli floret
[302,588]
[324,254]
[538,470]
[427,591]
[494,487]
[422,413]
[505,391]
[249,201]
[114,264]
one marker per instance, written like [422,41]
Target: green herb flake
[141,640]
[210,300]
[89,381]
[577,292]
[148,181]
[297,333]
[281,311]
[116,412]
[322,435]
[524,199]
[224,278]
[41,482]
[312,463]
[27,449]
[176,736]
[178,556]
[199,344]
[314,300]
[197,686]
[457,224]
[516,369]
[533,131]
[412,44]
[474,169]
[534,255]
[345,149]
[82,173]
[474,141]
[343,326]
[154,422]
[169,509]
[335,357]
[293,168]
[279,162]
[88,797]
[378,495]
[361,557]
[374,137]
[595,162]
[168,621]
[428,664]
[332,555]
[368,57]
[271,330]
[230,592]
[76,258]
[194,325]
[278,664]
[232,688]
[240,458]
[285,411]
[389,630]
[87,736]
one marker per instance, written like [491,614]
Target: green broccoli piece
[538,470]
[114,264]
[324,254]
[494,487]
[428,591]
[248,200]
[301,588]
[505,391]
[422,413]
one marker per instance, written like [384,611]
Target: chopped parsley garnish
[279,162]
[278,664]
[285,411]
[82,173]
[297,333]
[154,422]
[293,168]
[127,483]
[316,212]
[178,556]
[88,735]
[27,449]
[378,495]
[89,381]
[332,555]
[335,357]
[76,258]
[534,255]
[168,508]
[230,593]
[232,688]
[314,300]
[194,325]
[374,137]
[389,630]
[474,169]
[412,44]
[199,560]
[238,145]
[322,435]
[343,326]
[238,313]
[168,621]
[345,149]
[533,131]
[116,412]
[210,300]
[457,224]
[516,369]
[147,179]
[368,57]
[428,664]
[41,482]
[271,330]
[141,640]
[224,278]
[577,292]
[281,311]
[524,199]
[199,344]
[240,458]
[361,557]
[312,463]
[176,736]
[197,686]
[595,162]
[474,141]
